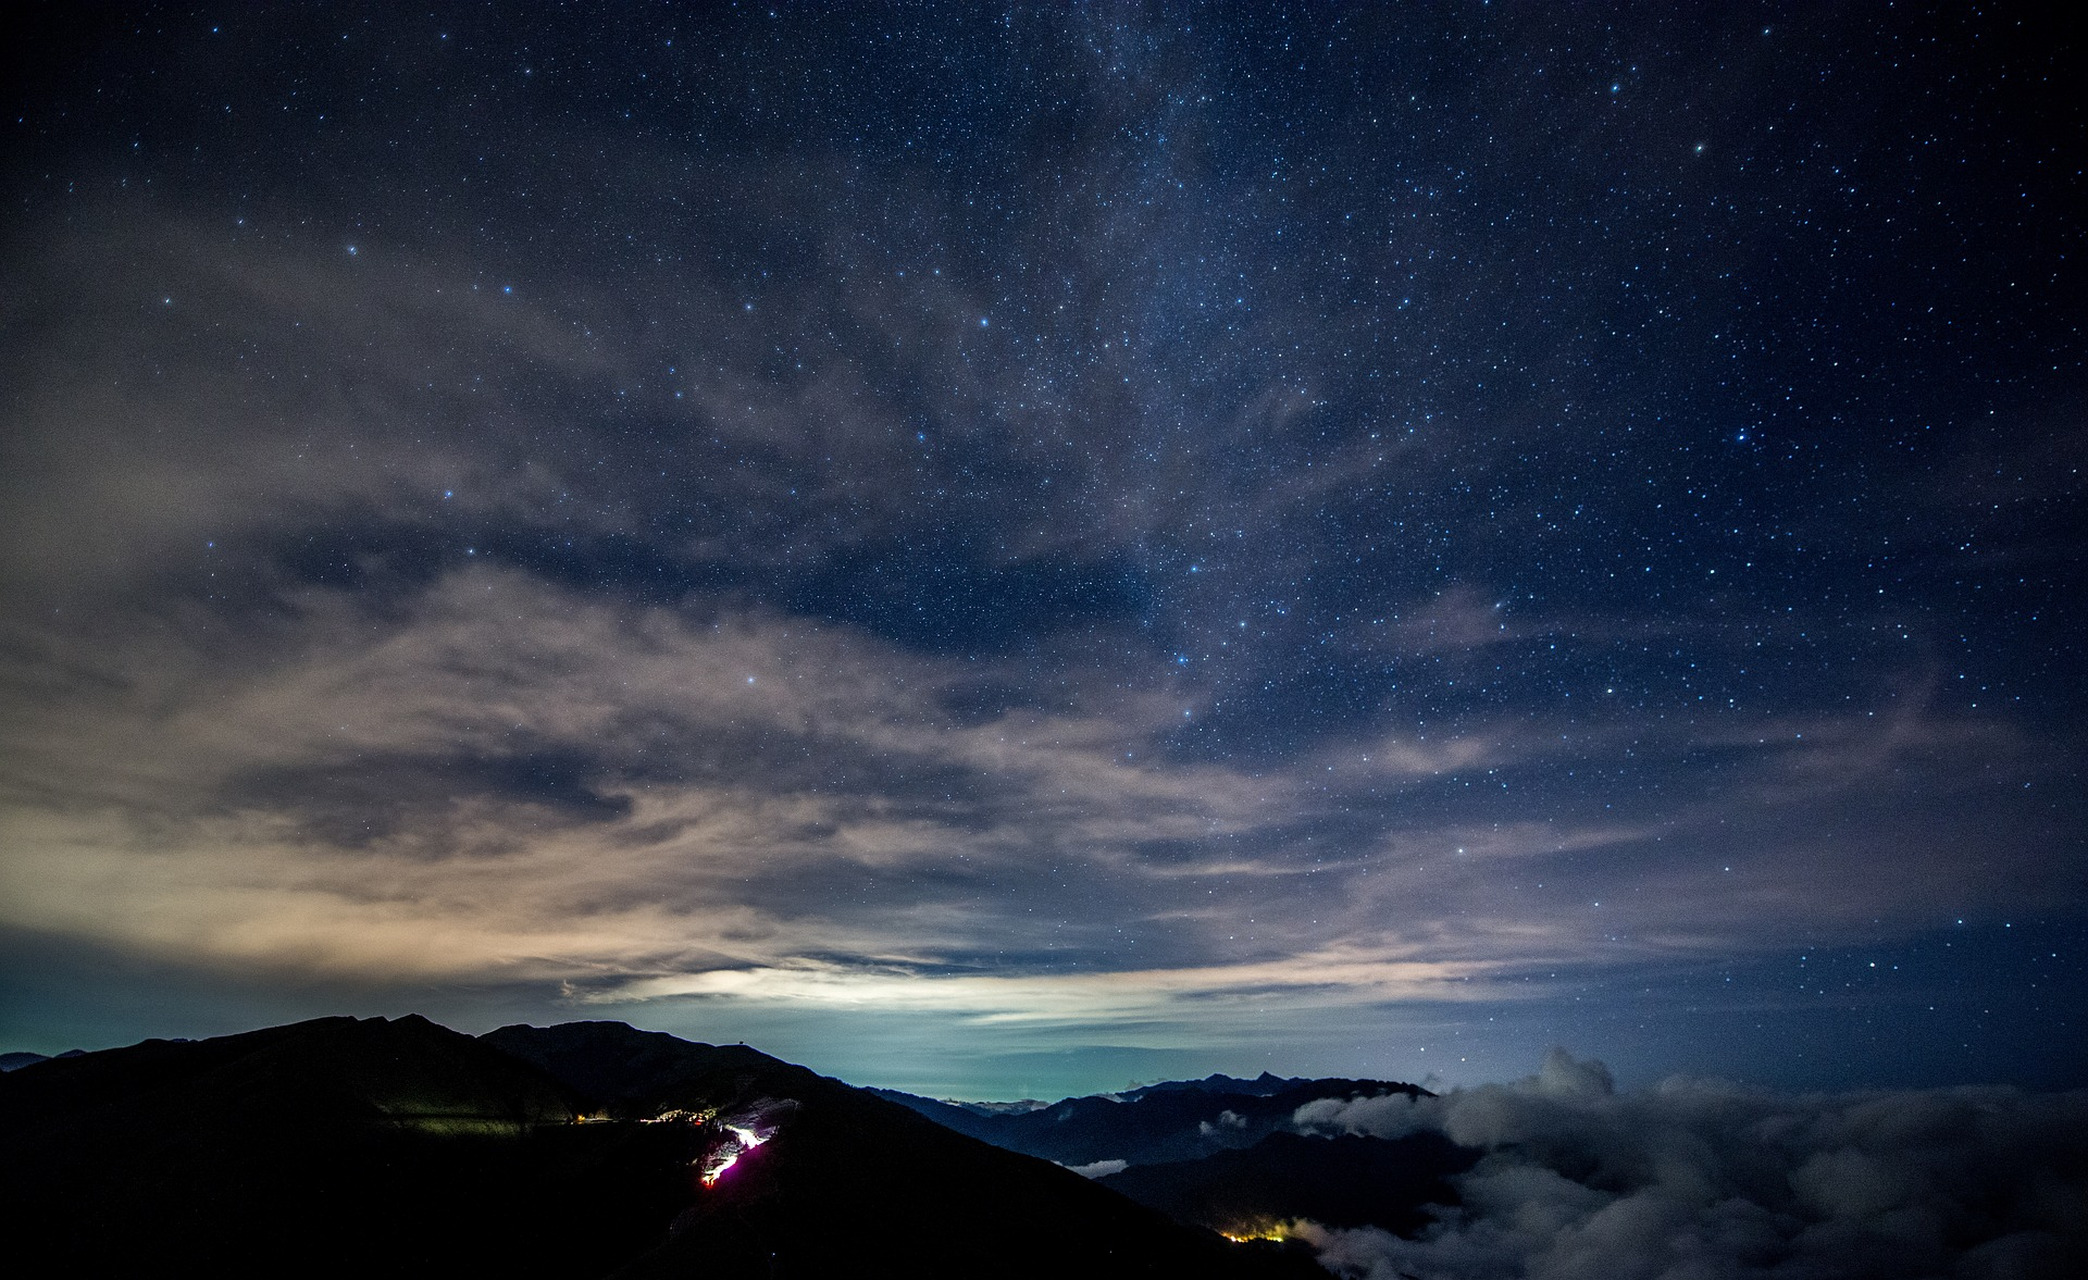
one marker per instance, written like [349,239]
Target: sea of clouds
[1701,1180]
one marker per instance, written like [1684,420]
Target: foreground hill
[346,1146]
[844,1182]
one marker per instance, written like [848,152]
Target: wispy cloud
[514,781]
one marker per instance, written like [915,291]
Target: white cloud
[1703,1179]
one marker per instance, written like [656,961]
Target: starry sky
[1011,551]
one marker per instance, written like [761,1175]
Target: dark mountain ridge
[1261,1086]
[329,1070]
[1224,1153]
[1163,1123]
[344,1146]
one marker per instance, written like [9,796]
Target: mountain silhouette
[332,1147]
[1262,1086]
[847,1183]
[398,1147]
[1174,1121]
[1223,1152]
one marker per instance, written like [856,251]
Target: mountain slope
[331,1147]
[400,1148]
[844,1182]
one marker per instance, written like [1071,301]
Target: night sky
[1013,551]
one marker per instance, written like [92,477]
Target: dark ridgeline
[346,1146]
[1224,1153]
[327,1147]
[1178,1120]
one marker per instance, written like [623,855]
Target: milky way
[1009,551]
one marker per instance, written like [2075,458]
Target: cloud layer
[1698,1178]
